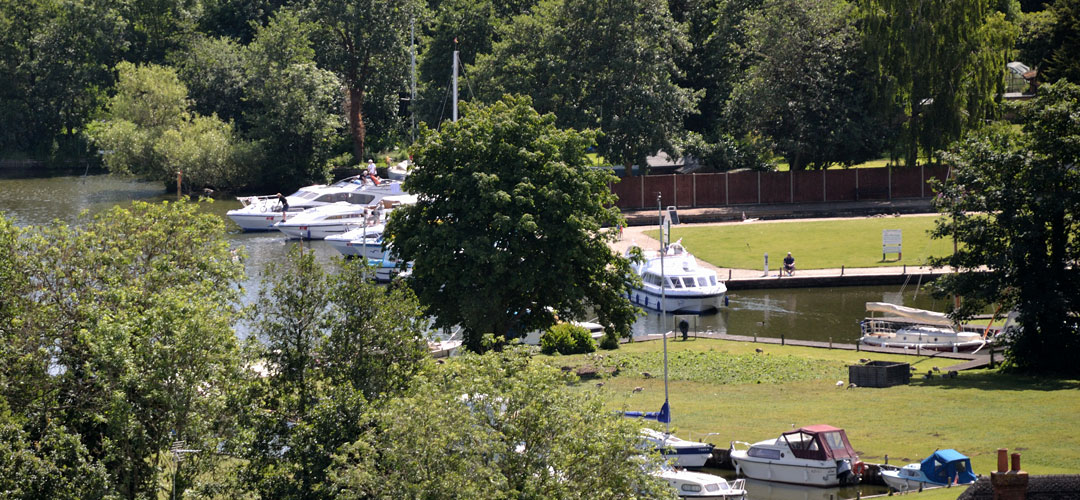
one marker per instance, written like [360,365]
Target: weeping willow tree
[940,64]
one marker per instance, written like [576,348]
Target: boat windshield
[834,440]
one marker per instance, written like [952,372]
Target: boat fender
[859,468]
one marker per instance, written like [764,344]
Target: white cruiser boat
[683,285]
[319,222]
[817,455]
[364,241]
[907,327]
[388,267]
[700,485]
[260,213]
[681,452]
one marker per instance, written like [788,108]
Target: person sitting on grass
[789,264]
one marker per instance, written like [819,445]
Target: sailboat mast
[663,313]
[454,83]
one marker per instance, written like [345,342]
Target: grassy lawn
[818,244]
[728,389]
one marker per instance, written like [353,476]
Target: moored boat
[681,452]
[941,468]
[690,484]
[674,282]
[907,327]
[260,213]
[816,455]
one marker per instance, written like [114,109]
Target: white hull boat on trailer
[817,455]
[911,328]
[687,287]
[260,213]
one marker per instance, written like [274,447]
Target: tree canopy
[1013,204]
[506,233]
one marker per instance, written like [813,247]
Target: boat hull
[894,481]
[261,221]
[310,232]
[966,346]
[677,304]
[812,472]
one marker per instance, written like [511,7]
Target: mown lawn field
[816,244]
[725,391]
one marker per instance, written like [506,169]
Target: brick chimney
[1009,484]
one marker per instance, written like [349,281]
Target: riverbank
[730,391]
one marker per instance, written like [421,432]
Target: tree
[1013,205]
[149,132]
[498,426]
[293,107]
[366,42]
[802,87]
[939,63]
[608,65]
[1061,62]
[126,340]
[506,233]
[329,348]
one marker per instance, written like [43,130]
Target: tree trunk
[356,121]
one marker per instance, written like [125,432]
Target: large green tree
[149,131]
[123,337]
[499,425]
[1013,204]
[366,42]
[939,65]
[1062,61]
[607,64]
[804,85]
[507,231]
[328,348]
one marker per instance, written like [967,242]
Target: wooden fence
[751,188]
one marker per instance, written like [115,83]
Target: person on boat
[372,172]
[284,203]
[789,264]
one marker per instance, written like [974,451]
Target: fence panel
[840,185]
[907,182]
[808,186]
[710,189]
[873,183]
[628,189]
[775,187]
[658,184]
[684,190]
[742,188]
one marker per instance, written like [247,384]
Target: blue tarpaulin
[663,416]
[946,466]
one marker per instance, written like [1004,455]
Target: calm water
[818,314]
[813,314]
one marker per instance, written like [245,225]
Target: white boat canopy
[918,315]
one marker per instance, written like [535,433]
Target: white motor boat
[817,455]
[681,452]
[260,213]
[941,468]
[907,327]
[364,241]
[389,267]
[700,485]
[319,222]
[682,286]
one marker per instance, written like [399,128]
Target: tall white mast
[454,82]
[663,313]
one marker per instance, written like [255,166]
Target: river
[812,314]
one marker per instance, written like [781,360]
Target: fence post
[759,187]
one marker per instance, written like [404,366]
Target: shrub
[566,338]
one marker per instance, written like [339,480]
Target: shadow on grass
[995,381]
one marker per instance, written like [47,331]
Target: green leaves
[509,211]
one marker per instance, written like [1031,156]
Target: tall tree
[498,426]
[127,340]
[1062,61]
[939,64]
[803,87]
[329,348]
[1013,204]
[607,64]
[366,42]
[509,212]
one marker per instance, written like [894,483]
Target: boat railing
[885,327]
[739,484]
[248,200]
[733,443]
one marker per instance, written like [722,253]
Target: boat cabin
[945,466]
[819,442]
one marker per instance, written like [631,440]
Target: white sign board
[892,242]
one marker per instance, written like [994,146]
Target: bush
[566,338]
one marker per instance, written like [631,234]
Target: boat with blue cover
[941,468]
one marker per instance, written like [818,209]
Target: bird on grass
[839,383]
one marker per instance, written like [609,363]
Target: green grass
[818,244]
[976,413]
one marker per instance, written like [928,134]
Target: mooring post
[781,339]
[841,270]
[991,357]
[830,342]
